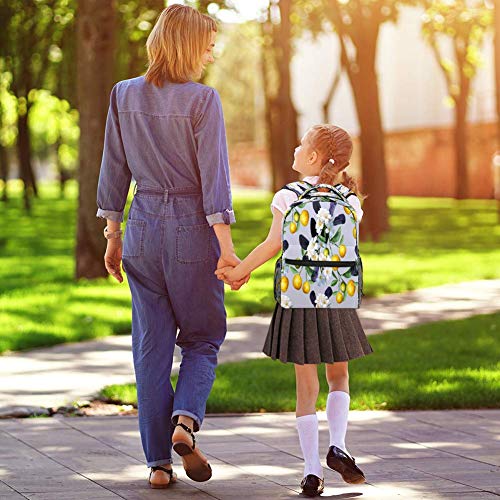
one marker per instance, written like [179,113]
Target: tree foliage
[463,25]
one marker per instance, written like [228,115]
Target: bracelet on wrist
[112,235]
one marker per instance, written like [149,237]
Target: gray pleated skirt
[314,336]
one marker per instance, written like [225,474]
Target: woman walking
[167,132]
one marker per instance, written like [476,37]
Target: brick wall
[419,162]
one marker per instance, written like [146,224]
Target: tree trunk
[331,94]
[4,172]
[287,118]
[496,29]
[364,83]
[96,21]
[281,116]
[24,158]
[460,139]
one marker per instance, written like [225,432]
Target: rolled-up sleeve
[213,162]
[115,176]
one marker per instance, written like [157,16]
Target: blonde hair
[333,143]
[177,43]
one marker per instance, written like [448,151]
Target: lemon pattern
[320,258]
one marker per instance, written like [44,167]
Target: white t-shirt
[284,198]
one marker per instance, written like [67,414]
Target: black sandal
[161,486]
[195,464]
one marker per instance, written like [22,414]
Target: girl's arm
[261,254]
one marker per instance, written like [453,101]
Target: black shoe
[312,486]
[345,466]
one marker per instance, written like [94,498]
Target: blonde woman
[167,132]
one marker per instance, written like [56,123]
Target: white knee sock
[337,413]
[307,427]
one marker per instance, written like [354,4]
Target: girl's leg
[337,412]
[307,420]
[337,405]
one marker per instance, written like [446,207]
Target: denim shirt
[168,137]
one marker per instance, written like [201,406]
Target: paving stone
[102,457]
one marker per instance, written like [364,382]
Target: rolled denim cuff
[226,217]
[165,461]
[197,421]
[110,214]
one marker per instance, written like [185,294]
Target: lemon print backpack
[320,266]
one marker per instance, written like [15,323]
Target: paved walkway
[61,374]
[406,455]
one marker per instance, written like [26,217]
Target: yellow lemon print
[304,217]
[284,284]
[351,288]
[347,211]
[335,258]
[297,282]
[354,216]
[293,227]
[296,217]
[306,287]
[342,287]
[342,250]
[326,252]
[354,233]
[340,297]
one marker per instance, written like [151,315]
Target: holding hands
[229,271]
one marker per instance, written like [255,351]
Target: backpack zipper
[320,263]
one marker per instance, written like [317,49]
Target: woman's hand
[113,258]
[231,260]
[229,274]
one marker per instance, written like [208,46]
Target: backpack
[320,265]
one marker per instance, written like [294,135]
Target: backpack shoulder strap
[298,187]
[345,190]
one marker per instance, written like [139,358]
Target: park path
[404,455]
[57,375]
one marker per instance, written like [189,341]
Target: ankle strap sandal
[171,474]
[189,431]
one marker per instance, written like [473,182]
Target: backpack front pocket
[321,284]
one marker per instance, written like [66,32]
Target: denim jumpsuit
[172,141]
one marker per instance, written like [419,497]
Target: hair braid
[333,143]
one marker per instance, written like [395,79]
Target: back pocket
[193,244]
[133,244]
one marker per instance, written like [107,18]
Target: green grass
[442,365]
[432,241]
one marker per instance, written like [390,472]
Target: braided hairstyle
[334,147]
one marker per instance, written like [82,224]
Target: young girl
[308,337]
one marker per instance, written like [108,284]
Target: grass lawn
[432,241]
[448,364]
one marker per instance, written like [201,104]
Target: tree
[96,23]
[135,21]
[464,24]
[497,66]
[33,30]
[357,24]
[281,115]
[243,109]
